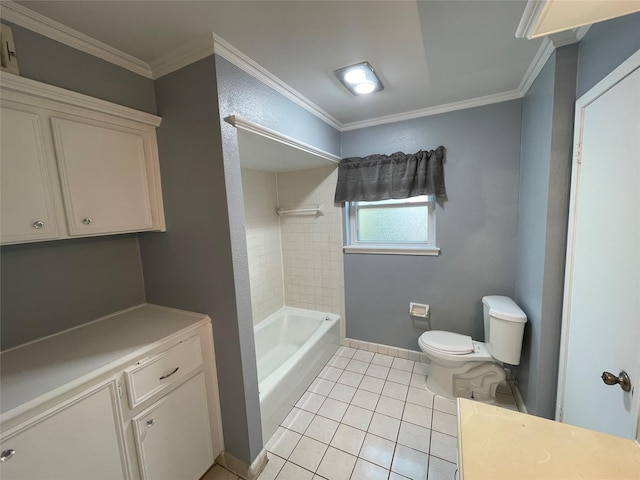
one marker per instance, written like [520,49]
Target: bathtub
[292,347]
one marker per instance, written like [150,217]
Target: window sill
[391,250]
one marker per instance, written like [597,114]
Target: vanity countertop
[495,443]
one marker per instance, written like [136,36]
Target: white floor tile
[336,465]
[330,373]
[348,439]
[308,453]
[321,386]
[377,450]
[378,371]
[444,446]
[368,471]
[311,402]
[217,472]
[298,420]
[445,423]
[357,417]
[418,380]
[417,414]
[322,429]
[421,368]
[273,467]
[420,397]
[365,399]
[381,359]
[291,471]
[399,376]
[396,476]
[384,426]
[363,356]
[403,364]
[338,362]
[283,442]
[414,436]
[410,463]
[346,352]
[372,384]
[390,406]
[333,409]
[445,405]
[357,366]
[441,470]
[395,390]
[352,379]
[341,392]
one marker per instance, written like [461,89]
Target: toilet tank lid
[504,308]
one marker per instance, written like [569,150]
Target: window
[405,226]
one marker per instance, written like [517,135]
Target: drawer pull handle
[169,374]
[6,455]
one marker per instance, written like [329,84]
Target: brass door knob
[623,380]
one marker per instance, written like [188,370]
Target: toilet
[463,367]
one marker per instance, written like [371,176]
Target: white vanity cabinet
[130,396]
[78,439]
[75,166]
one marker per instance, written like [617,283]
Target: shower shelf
[317,211]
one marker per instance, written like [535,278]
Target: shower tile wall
[263,242]
[312,246]
[293,260]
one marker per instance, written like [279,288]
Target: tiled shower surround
[299,255]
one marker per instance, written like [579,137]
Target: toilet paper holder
[418,310]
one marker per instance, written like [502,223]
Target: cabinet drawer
[152,376]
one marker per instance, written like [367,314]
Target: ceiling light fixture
[359,79]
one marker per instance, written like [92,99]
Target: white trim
[436,110]
[582,31]
[240,60]
[539,61]
[25,90]
[181,57]
[395,250]
[249,126]
[532,13]
[624,69]
[42,25]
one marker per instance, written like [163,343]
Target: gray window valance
[382,177]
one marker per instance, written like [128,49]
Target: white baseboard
[240,468]
[386,350]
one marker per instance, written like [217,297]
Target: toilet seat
[447,342]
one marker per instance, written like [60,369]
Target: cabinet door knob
[38,225]
[150,423]
[6,454]
[86,220]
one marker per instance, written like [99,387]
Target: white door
[601,317]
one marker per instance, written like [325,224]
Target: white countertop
[495,443]
[28,372]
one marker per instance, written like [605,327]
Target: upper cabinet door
[26,206]
[103,176]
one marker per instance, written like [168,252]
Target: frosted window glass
[387,225]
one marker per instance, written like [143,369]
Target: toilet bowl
[463,367]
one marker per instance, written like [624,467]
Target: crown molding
[532,12]
[426,112]
[242,61]
[536,66]
[42,25]
[181,57]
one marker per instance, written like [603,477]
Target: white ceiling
[427,53]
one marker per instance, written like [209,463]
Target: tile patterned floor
[366,416]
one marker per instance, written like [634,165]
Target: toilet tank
[503,328]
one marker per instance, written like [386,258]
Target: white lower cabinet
[173,436]
[131,396]
[79,439]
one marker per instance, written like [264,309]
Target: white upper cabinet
[75,166]
[25,198]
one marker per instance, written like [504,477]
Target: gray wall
[50,286]
[476,228]
[605,46]
[545,170]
